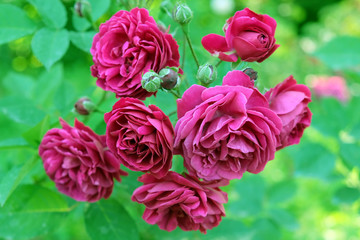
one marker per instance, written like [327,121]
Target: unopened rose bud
[182,14]
[84,106]
[170,78]
[206,74]
[151,81]
[251,73]
[83,8]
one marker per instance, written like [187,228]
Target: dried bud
[206,74]
[251,73]
[84,106]
[170,77]
[182,14]
[83,9]
[151,81]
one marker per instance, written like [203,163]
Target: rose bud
[182,14]
[83,9]
[151,81]
[251,73]
[84,106]
[206,74]
[170,77]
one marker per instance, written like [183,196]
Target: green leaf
[284,219]
[312,160]
[266,230]
[21,110]
[32,211]
[82,40]
[14,23]
[80,23]
[50,45]
[52,12]
[47,83]
[13,143]
[346,195]
[340,53]
[107,219]
[13,178]
[234,65]
[229,229]
[350,154]
[19,84]
[35,134]
[64,98]
[98,8]
[282,192]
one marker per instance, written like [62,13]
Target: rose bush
[183,201]
[248,36]
[226,130]
[79,163]
[289,101]
[141,137]
[128,45]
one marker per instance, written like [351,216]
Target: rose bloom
[79,163]
[334,86]
[128,45]
[289,101]
[248,36]
[226,130]
[141,137]
[183,201]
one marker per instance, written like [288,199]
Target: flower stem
[218,63]
[190,45]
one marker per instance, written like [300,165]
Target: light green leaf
[14,23]
[340,53]
[13,178]
[32,211]
[19,84]
[52,12]
[13,143]
[64,98]
[82,40]
[50,45]
[80,23]
[107,219]
[282,192]
[350,154]
[98,8]
[21,110]
[35,134]
[284,219]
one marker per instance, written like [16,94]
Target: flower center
[262,38]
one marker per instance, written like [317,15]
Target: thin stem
[219,63]
[190,45]
[172,113]
[183,54]
[175,94]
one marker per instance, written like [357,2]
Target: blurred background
[309,191]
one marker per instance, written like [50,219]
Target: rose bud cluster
[221,131]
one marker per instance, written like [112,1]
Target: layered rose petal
[141,137]
[78,161]
[228,130]
[128,45]
[176,200]
[248,35]
[289,101]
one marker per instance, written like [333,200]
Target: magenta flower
[128,45]
[289,101]
[248,36]
[334,86]
[78,161]
[226,130]
[183,201]
[141,137]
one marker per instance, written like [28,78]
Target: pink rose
[141,137]
[248,35]
[128,45]
[334,86]
[78,161]
[183,201]
[289,101]
[226,130]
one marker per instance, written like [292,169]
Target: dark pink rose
[334,86]
[141,137]
[79,163]
[128,45]
[248,35]
[289,101]
[226,130]
[183,201]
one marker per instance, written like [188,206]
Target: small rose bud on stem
[206,74]
[151,81]
[251,73]
[169,78]
[84,106]
[182,14]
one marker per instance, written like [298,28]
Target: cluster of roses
[221,132]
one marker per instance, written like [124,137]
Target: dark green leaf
[13,178]
[50,45]
[82,40]
[346,195]
[340,53]
[52,12]
[14,23]
[284,219]
[282,192]
[266,230]
[19,84]
[35,134]
[107,219]
[350,154]
[32,211]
